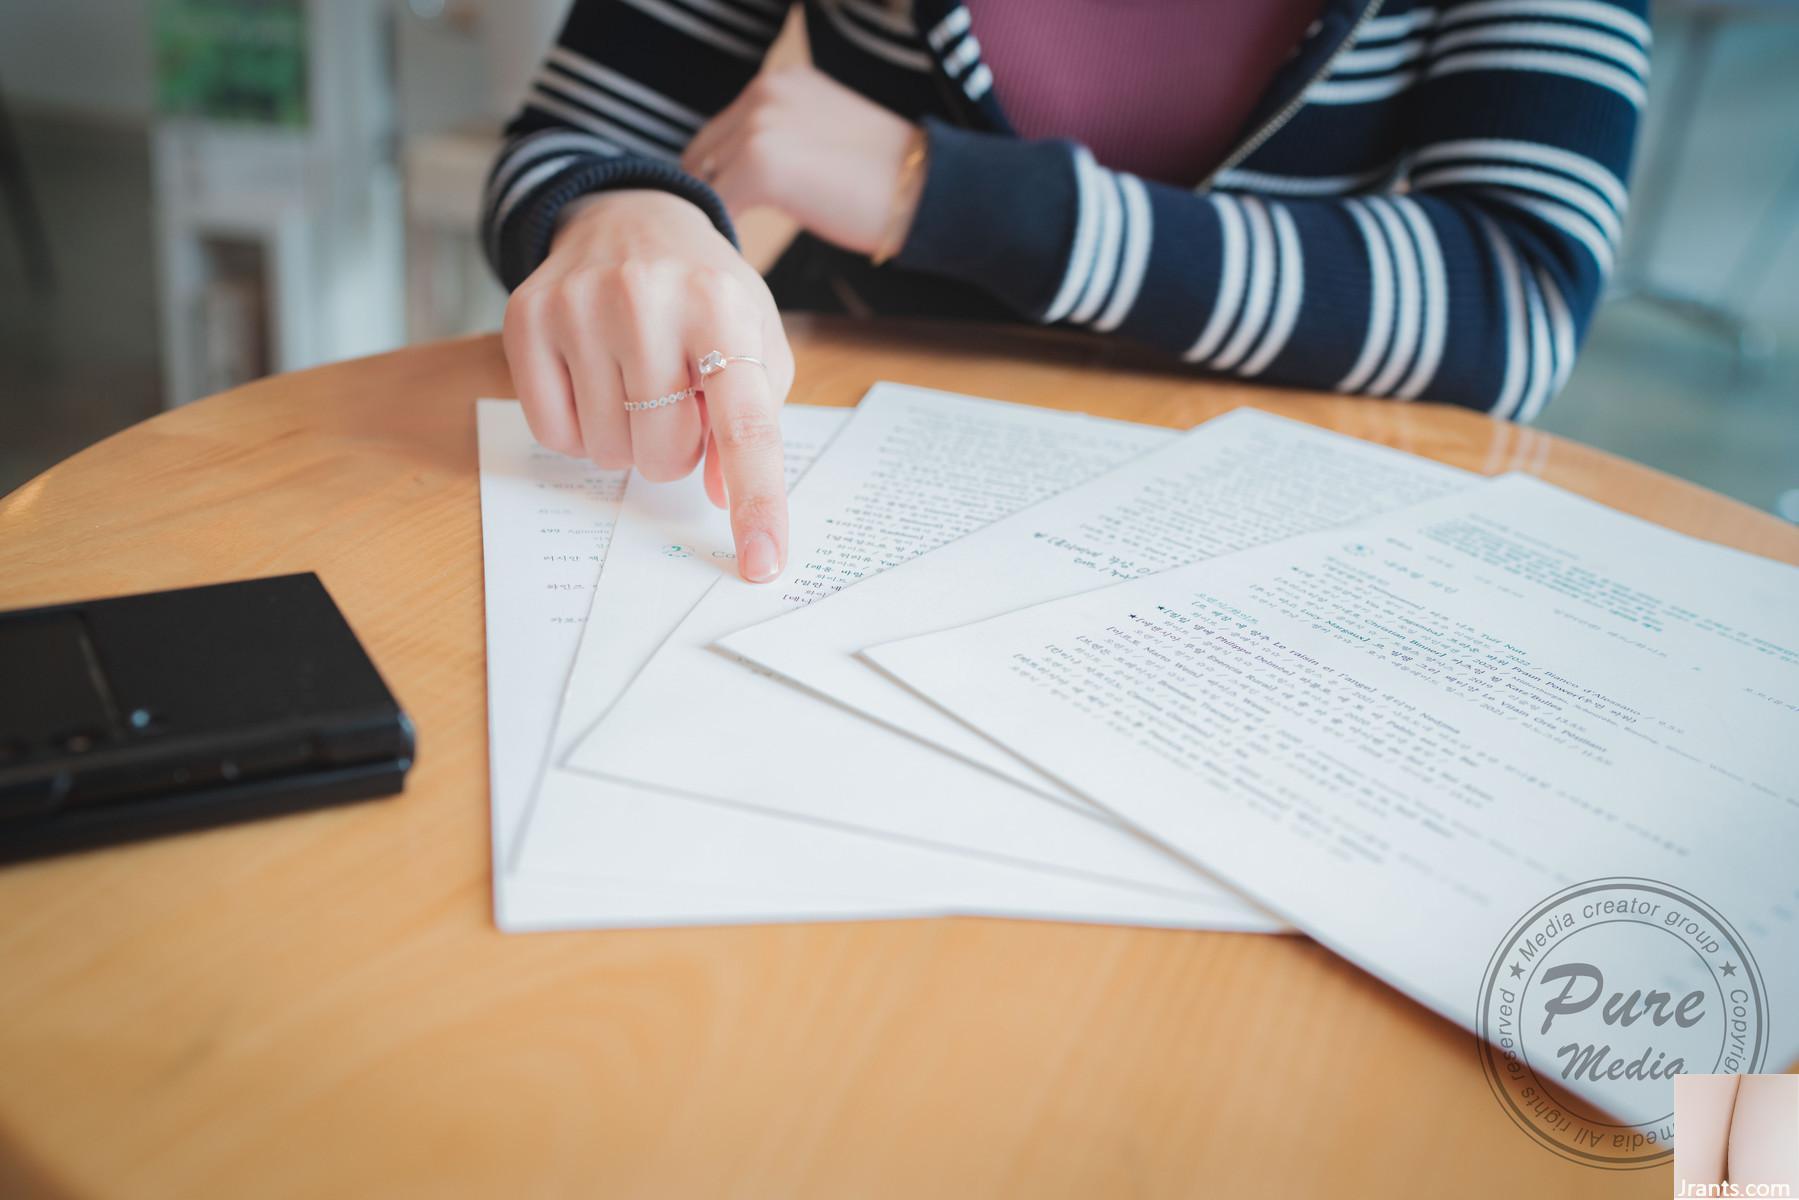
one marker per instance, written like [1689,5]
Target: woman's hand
[638,285]
[801,142]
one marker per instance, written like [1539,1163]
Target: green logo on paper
[1597,998]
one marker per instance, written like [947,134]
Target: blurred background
[194,193]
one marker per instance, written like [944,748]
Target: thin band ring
[710,365]
[660,401]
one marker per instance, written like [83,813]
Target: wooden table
[320,1005]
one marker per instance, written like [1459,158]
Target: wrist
[627,205]
[908,186]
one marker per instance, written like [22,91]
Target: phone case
[168,711]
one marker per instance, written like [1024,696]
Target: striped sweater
[1425,204]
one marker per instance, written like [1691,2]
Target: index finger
[746,425]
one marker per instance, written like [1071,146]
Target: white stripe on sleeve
[1436,298]
[1360,91]
[1380,300]
[1511,288]
[534,147]
[1590,11]
[1137,235]
[1577,196]
[580,118]
[877,12]
[1289,298]
[1561,327]
[901,52]
[1587,170]
[520,188]
[727,14]
[1080,251]
[1231,274]
[1379,58]
[1542,364]
[1300,185]
[1572,222]
[699,28]
[955,23]
[626,116]
[1405,273]
[1382,28]
[1105,251]
[979,81]
[1546,33]
[624,85]
[1572,66]
[1261,285]
[966,51]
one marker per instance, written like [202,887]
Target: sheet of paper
[612,855]
[666,546]
[546,521]
[607,855]
[914,468]
[1239,480]
[1405,733]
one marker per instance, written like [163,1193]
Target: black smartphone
[169,711]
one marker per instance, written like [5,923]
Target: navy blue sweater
[1425,203]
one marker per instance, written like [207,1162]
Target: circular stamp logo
[1597,998]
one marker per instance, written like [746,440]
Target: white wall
[90,57]
[516,34]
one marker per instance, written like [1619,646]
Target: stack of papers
[1025,663]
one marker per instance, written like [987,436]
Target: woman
[1393,199]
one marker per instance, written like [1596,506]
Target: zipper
[1273,124]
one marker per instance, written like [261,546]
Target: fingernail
[758,558]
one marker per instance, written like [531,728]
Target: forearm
[1434,296]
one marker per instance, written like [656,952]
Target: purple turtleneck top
[1160,88]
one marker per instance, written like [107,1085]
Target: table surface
[321,1003]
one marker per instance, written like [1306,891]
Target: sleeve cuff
[524,235]
[970,224]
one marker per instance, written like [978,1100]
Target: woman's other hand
[637,287]
[798,141]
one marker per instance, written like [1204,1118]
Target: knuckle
[583,284]
[572,295]
[523,308]
[634,281]
[719,291]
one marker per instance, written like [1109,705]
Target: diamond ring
[715,362]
